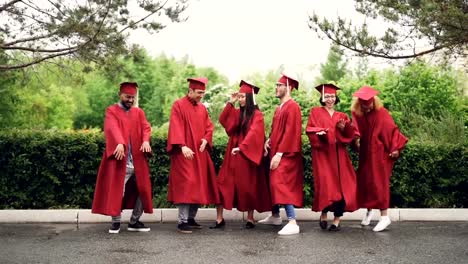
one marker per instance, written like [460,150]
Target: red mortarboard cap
[286,80]
[129,88]
[327,88]
[366,93]
[198,83]
[247,87]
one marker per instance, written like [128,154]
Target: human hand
[234,151]
[188,153]
[203,145]
[145,147]
[119,152]
[275,161]
[341,124]
[234,97]
[266,146]
[394,154]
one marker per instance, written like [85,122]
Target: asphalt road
[404,242]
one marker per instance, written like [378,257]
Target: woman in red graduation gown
[380,145]
[329,132]
[241,182]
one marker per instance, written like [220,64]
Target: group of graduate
[258,172]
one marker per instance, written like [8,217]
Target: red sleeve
[112,132]
[349,132]
[209,131]
[390,135]
[146,133]
[316,141]
[291,138]
[229,119]
[175,135]
[252,144]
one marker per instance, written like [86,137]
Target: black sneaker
[115,228]
[138,227]
[184,228]
[193,224]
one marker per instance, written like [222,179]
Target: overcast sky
[238,37]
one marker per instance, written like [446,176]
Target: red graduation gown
[286,181]
[242,183]
[379,137]
[191,181]
[334,176]
[122,127]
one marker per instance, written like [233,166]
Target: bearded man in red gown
[123,180]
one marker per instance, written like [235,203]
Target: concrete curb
[209,214]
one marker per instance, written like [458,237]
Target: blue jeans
[289,208]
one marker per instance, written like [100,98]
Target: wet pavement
[403,242]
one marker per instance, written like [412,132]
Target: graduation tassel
[287,85]
[323,94]
[253,96]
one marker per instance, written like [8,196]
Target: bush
[57,169]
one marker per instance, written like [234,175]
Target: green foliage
[57,169]
[433,24]
[334,68]
[88,30]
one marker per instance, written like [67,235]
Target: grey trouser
[138,209]
[187,211]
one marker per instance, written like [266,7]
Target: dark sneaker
[184,228]
[218,225]
[138,227]
[193,224]
[115,228]
[249,225]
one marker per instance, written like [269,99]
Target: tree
[90,30]
[441,23]
[334,68]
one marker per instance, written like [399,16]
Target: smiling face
[330,100]
[366,106]
[127,100]
[196,95]
[242,99]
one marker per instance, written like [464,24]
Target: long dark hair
[247,112]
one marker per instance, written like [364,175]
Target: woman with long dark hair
[241,182]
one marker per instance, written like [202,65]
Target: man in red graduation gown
[241,181]
[380,145]
[124,170]
[284,148]
[192,178]
[329,132]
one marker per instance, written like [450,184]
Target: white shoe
[271,220]
[383,223]
[289,229]
[367,218]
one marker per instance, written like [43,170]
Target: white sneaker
[383,223]
[367,218]
[271,220]
[289,229]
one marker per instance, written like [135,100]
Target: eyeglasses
[329,97]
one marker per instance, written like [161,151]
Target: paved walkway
[404,242]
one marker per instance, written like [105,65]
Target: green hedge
[57,169]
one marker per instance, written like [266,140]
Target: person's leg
[116,220]
[384,221]
[338,210]
[291,228]
[183,216]
[219,213]
[368,217]
[323,218]
[193,209]
[274,218]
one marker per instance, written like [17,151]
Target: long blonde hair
[356,106]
